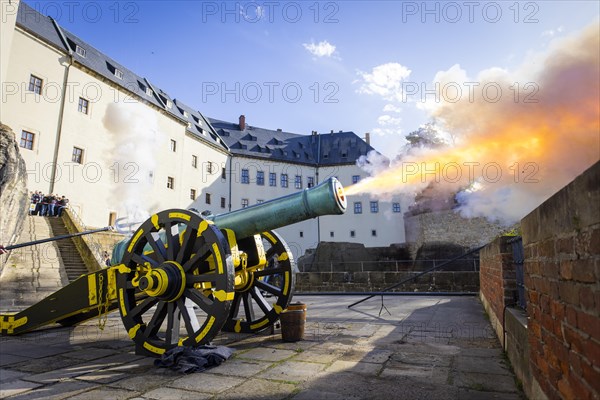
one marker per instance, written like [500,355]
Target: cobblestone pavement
[421,347]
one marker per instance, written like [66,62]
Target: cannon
[183,277]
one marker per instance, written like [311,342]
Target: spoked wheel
[176,285]
[268,292]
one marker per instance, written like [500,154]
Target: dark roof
[321,149]
[46,29]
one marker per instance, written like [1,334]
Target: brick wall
[562,278]
[497,280]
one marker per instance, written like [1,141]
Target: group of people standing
[47,205]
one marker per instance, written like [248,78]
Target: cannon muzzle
[325,199]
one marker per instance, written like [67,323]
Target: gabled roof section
[91,58]
[316,149]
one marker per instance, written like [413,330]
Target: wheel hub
[166,282]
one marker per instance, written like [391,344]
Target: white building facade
[113,142]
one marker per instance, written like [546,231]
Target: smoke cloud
[519,137]
[135,136]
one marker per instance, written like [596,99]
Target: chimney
[242,123]
[368,138]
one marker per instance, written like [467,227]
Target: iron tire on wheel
[270,297]
[175,263]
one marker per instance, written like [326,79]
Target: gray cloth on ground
[193,359]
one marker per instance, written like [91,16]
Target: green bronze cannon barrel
[328,198]
[325,199]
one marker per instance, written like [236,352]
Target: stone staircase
[72,261]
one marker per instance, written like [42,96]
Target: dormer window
[118,73]
[186,114]
[169,104]
[196,119]
[148,91]
[80,50]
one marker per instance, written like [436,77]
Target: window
[35,84]
[374,206]
[194,161]
[260,201]
[209,168]
[118,73]
[245,203]
[193,194]
[355,178]
[77,155]
[396,207]
[169,104]
[352,234]
[223,173]
[298,182]
[357,207]
[80,50]
[272,179]
[173,145]
[223,200]
[301,234]
[260,178]
[83,105]
[207,198]
[331,234]
[27,140]
[245,176]
[373,232]
[170,182]
[311,181]
[284,180]
[148,91]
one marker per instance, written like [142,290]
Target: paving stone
[354,367]
[482,352]
[58,391]
[323,395]
[485,382]
[239,367]
[104,393]
[103,376]
[295,371]
[167,393]
[259,389]
[16,386]
[32,350]
[481,365]
[406,359]
[141,383]
[267,354]
[88,354]
[10,359]
[319,354]
[208,383]
[40,365]
[9,375]
[367,355]
[464,394]
[63,373]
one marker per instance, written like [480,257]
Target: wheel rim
[269,292]
[176,286]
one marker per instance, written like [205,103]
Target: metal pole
[419,274]
[52,239]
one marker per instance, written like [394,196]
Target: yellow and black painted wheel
[176,282]
[259,305]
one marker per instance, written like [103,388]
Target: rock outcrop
[13,189]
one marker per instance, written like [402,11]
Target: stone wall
[13,190]
[372,281]
[562,278]
[448,226]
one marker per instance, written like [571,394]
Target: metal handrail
[93,245]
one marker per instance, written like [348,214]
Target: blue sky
[304,66]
